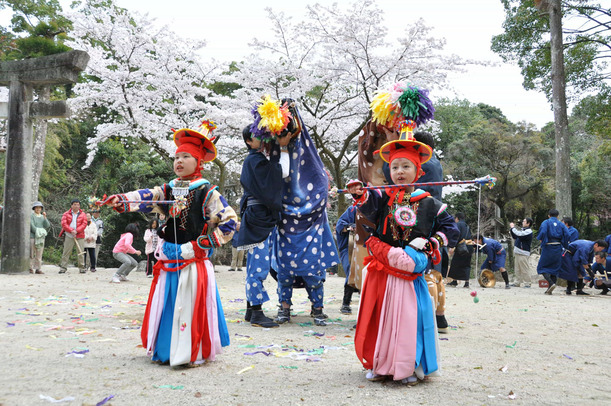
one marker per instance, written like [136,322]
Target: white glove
[418,243]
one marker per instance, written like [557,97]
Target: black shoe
[345,309]
[284,315]
[466,285]
[581,293]
[259,319]
[319,317]
[550,289]
[604,292]
[248,314]
[322,315]
[568,292]
[231,270]
[507,287]
[453,283]
[442,323]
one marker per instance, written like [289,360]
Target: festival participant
[608,241]
[460,267]
[554,237]
[184,321]
[303,244]
[521,251]
[432,172]
[495,256]
[151,238]
[602,265]
[573,233]
[395,333]
[344,230]
[576,262]
[260,208]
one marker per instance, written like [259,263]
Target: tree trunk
[561,125]
[38,146]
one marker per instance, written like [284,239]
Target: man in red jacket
[74,222]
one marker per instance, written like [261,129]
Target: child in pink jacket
[121,253]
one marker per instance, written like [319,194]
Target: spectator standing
[151,238]
[237,256]
[100,225]
[39,225]
[91,235]
[521,251]
[74,222]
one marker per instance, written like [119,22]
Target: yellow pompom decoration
[271,117]
[382,107]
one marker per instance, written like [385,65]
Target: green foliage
[37,29]
[587,34]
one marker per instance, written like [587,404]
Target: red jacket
[81,223]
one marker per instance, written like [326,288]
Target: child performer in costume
[395,334]
[184,321]
[260,208]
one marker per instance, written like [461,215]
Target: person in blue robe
[573,233]
[554,237]
[260,208]
[576,263]
[495,256]
[602,266]
[344,227]
[303,243]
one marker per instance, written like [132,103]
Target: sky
[468,27]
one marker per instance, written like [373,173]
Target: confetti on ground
[245,369]
[173,387]
[53,400]
[288,367]
[567,356]
[29,347]
[513,345]
[504,368]
[105,400]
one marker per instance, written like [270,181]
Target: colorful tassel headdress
[271,118]
[199,143]
[402,107]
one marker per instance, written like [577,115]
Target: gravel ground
[76,338]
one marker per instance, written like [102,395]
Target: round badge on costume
[405,216]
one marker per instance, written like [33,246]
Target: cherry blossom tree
[331,63]
[141,81]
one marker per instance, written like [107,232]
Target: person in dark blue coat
[554,237]
[573,232]
[343,229]
[577,261]
[260,207]
[602,265]
[495,256]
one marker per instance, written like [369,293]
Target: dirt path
[78,336]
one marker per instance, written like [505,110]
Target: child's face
[184,164]
[600,260]
[254,143]
[402,170]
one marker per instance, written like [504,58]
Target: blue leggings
[314,284]
[257,268]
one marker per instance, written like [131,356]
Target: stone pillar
[17,181]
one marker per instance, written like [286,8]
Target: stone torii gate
[21,77]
